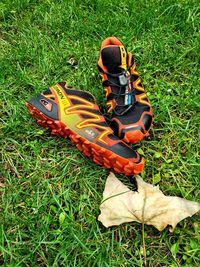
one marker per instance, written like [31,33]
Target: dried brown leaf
[148,205]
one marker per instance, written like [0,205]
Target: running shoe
[128,104]
[73,113]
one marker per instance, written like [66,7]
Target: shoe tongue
[114,58]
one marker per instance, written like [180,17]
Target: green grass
[50,202]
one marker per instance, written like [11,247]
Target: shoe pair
[73,113]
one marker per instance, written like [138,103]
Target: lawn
[51,194]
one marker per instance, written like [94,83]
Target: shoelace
[119,94]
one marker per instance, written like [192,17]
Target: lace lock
[123,80]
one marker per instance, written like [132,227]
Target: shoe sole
[97,154]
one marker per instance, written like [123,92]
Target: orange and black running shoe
[74,114]
[131,117]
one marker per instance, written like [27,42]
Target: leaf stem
[144,246]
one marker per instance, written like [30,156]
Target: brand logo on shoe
[63,100]
[123,56]
[60,93]
[90,133]
[46,104]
